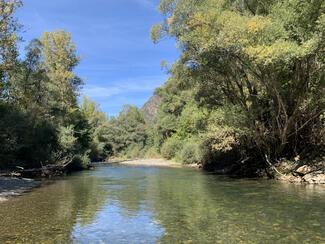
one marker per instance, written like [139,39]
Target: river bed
[136,204]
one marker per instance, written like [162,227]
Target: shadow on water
[146,204]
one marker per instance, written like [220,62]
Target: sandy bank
[151,162]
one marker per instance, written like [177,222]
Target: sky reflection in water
[118,204]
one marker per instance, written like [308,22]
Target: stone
[317,177]
[303,170]
[291,178]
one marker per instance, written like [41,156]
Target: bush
[66,138]
[170,147]
[152,153]
[134,152]
[191,153]
[79,162]
[24,140]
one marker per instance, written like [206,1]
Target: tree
[265,56]
[8,40]
[60,58]
[100,146]
[127,132]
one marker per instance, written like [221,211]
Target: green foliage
[227,125]
[24,140]
[254,71]
[249,81]
[59,60]
[152,153]
[100,145]
[41,122]
[191,152]
[127,133]
[133,151]
[170,147]
[192,120]
[80,161]
[8,40]
[67,140]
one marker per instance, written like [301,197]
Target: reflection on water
[118,204]
[111,226]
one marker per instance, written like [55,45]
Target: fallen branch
[272,166]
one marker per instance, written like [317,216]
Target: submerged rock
[10,186]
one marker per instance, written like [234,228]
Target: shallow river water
[124,204]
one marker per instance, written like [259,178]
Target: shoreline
[155,162]
[13,186]
[302,175]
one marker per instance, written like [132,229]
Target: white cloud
[100,92]
[140,84]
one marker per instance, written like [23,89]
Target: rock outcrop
[150,108]
[312,173]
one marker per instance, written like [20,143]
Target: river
[126,204]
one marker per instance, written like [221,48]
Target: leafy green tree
[100,147]
[8,40]
[60,58]
[127,132]
[267,57]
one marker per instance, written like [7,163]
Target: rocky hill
[150,108]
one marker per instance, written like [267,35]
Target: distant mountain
[150,108]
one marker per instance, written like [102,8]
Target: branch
[271,165]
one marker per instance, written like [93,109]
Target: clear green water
[119,204]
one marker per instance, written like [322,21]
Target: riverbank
[15,183]
[312,172]
[12,187]
[292,172]
[156,162]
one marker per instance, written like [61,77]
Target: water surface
[123,204]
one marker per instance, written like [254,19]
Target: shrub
[134,151]
[79,162]
[24,140]
[227,125]
[66,138]
[152,153]
[170,147]
[191,153]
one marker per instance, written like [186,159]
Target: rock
[286,166]
[296,180]
[303,170]
[150,108]
[317,177]
[291,178]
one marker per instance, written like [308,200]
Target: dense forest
[248,87]
[248,90]
[40,120]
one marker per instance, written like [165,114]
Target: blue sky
[120,65]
